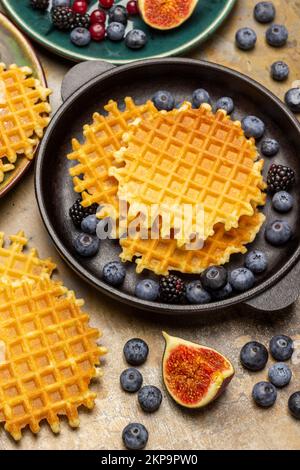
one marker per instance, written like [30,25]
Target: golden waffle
[48,359]
[16,263]
[24,111]
[4,168]
[190,156]
[95,156]
[162,256]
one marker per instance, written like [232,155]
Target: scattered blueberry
[283,201]
[245,39]
[264,12]
[281,347]
[86,244]
[115,31]
[264,394]
[254,356]
[136,351]
[294,405]
[269,147]
[225,103]
[280,374]
[256,261]
[135,436]
[163,100]
[277,233]
[147,289]
[131,380]
[118,14]
[214,278]
[241,279]
[80,37]
[277,35]
[89,224]
[280,71]
[253,127]
[149,398]
[292,99]
[222,293]
[114,273]
[136,39]
[199,97]
[195,293]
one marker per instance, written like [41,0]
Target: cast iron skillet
[275,289]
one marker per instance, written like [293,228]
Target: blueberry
[278,232]
[282,201]
[253,127]
[61,3]
[292,99]
[264,12]
[114,273]
[241,279]
[199,97]
[225,103]
[135,436]
[281,347]
[280,71]
[256,261]
[118,14]
[264,394]
[149,398]
[89,224]
[280,374]
[115,31]
[147,289]
[135,39]
[195,293]
[80,37]
[136,351]
[131,380]
[245,39]
[277,35]
[269,147]
[86,244]
[214,278]
[294,405]
[163,100]
[254,356]
[222,293]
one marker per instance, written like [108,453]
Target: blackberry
[171,289]
[78,213]
[80,21]
[280,177]
[62,17]
[39,4]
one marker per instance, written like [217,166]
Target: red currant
[106,3]
[80,6]
[97,31]
[132,7]
[98,16]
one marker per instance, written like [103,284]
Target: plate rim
[78,57]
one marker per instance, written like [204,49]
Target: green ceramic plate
[15,49]
[209,14]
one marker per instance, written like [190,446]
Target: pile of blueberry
[254,356]
[276,36]
[135,435]
[106,21]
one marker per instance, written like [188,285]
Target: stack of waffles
[24,114]
[161,159]
[48,351]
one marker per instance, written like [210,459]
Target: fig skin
[215,388]
[154,23]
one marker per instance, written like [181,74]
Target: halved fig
[194,375]
[166,14]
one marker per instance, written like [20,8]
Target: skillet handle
[81,74]
[281,295]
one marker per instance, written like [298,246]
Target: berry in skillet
[199,97]
[241,279]
[62,18]
[147,289]
[39,4]
[131,380]
[136,351]
[253,127]
[136,39]
[114,273]
[149,398]
[264,12]
[135,436]
[163,100]
[254,356]
[280,374]
[195,293]
[264,394]
[280,177]
[294,405]
[277,35]
[280,71]
[171,289]
[89,224]
[292,99]
[225,103]
[245,39]
[223,293]
[256,261]
[214,278]
[78,212]
[282,201]
[269,147]
[278,232]
[281,347]
[86,245]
